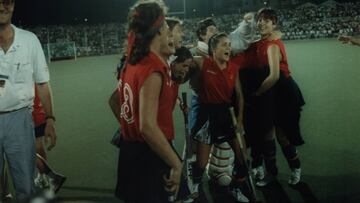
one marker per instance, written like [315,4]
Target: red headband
[132,34]
[158,22]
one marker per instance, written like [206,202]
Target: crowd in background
[308,21]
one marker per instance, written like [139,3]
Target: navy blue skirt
[280,106]
[140,175]
[214,124]
[259,111]
[289,102]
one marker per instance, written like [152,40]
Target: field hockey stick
[187,155]
[240,137]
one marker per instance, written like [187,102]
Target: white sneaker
[258,173]
[38,181]
[295,176]
[6,198]
[41,181]
[238,195]
[265,181]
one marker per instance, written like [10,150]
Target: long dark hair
[145,21]
[214,41]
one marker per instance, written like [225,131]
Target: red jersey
[130,83]
[240,60]
[217,85]
[261,48]
[38,113]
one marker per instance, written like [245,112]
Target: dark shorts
[140,175]
[40,130]
[216,121]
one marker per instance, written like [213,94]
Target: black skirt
[289,102]
[259,111]
[140,175]
[216,120]
[280,106]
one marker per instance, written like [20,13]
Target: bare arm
[154,137]
[45,96]
[274,57]
[114,104]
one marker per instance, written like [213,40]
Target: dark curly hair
[182,54]
[145,22]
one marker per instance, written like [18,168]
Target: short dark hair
[202,27]
[267,13]
[172,22]
[214,41]
[182,54]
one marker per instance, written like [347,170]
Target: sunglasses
[6,3]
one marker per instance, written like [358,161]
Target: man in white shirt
[22,64]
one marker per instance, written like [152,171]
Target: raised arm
[248,17]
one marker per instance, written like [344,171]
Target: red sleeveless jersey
[261,48]
[217,85]
[38,113]
[130,83]
[244,59]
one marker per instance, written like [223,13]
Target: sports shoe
[265,181]
[38,181]
[258,173]
[56,182]
[295,176]
[41,181]
[6,198]
[238,195]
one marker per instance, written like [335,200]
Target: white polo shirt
[23,65]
